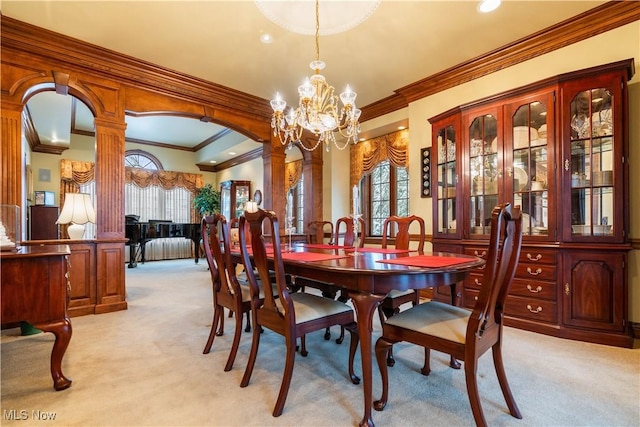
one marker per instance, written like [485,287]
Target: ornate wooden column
[11,153]
[312,171]
[273,157]
[110,261]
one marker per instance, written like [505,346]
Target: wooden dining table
[368,275]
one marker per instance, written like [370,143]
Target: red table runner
[427,261]
[309,256]
[381,250]
[322,246]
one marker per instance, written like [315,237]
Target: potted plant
[207,201]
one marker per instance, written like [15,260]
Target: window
[141,159]
[154,202]
[298,197]
[388,194]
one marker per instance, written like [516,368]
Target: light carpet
[145,367]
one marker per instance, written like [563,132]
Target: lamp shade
[77,209]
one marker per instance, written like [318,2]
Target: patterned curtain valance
[77,172]
[292,174]
[366,155]
[164,179]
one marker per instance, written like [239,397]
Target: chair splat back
[316,231]
[349,237]
[402,237]
[219,262]
[502,260]
[258,244]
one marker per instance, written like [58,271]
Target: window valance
[366,155]
[76,171]
[164,179]
[292,174]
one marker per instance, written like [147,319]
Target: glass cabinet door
[447,179]
[484,171]
[592,163]
[241,199]
[529,177]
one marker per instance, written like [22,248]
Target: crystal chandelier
[318,110]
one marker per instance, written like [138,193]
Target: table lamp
[77,211]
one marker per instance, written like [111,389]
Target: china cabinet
[233,196]
[558,149]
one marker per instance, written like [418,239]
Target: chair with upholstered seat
[291,315]
[228,292]
[399,226]
[391,304]
[462,333]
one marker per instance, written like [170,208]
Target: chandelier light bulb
[278,104]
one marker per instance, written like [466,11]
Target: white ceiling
[400,43]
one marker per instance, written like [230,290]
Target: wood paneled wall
[35,59]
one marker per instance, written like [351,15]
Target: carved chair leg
[220,331]
[454,363]
[248,327]
[255,343]
[303,346]
[504,384]
[470,368]
[212,333]
[382,348]
[341,337]
[286,377]
[236,342]
[426,369]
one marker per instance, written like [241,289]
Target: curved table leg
[62,331]
[366,305]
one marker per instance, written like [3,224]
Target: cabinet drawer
[536,271]
[532,288]
[474,281]
[537,256]
[531,308]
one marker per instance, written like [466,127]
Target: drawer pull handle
[477,282]
[475,298]
[536,311]
[534,291]
[481,255]
[534,258]
[534,273]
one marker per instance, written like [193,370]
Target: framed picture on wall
[44,198]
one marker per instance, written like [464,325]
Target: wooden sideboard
[35,289]
[87,293]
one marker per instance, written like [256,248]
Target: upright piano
[139,233]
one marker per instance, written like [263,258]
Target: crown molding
[596,21]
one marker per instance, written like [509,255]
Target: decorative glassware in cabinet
[591,165]
[447,180]
[529,172]
[483,171]
[242,197]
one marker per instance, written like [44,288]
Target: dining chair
[228,292]
[317,232]
[291,315]
[348,237]
[464,334]
[399,225]
[391,304]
